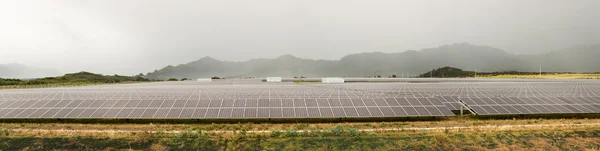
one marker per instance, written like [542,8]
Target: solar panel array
[252,99]
[508,97]
[224,108]
[452,102]
[192,101]
[533,105]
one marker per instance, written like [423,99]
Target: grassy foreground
[580,139]
[264,126]
[453,134]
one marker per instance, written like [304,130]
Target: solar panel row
[224,108]
[163,103]
[200,113]
[533,105]
[377,90]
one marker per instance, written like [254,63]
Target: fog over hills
[15,70]
[463,55]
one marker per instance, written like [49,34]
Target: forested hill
[464,56]
[448,72]
[74,78]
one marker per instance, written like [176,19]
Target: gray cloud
[134,36]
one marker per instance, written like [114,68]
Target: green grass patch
[521,140]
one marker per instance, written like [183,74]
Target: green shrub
[275,133]
[337,131]
[595,133]
[244,132]
[183,134]
[304,133]
[353,132]
[10,81]
[581,133]
[313,132]
[291,132]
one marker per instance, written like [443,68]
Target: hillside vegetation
[74,78]
[463,56]
[448,72]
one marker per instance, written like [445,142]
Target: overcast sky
[133,36]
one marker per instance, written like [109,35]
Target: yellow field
[546,76]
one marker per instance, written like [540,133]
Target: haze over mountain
[463,55]
[15,70]
[127,37]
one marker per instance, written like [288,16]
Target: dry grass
[141,131]
[546,76]
[475,137]
[449,122]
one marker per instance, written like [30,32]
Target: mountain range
[461,55]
